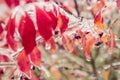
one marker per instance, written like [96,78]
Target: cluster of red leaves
[47,22]
[13,3]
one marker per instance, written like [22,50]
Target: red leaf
[98,21]
[3,58]
[1,29]
[111,41]
[118,4]
[35,56]
[29,1]
[44,23]
[12,3]
[54,18]
[66,8]
[10,27]
[63,22]
[28,33]
[46,0]
[24,63]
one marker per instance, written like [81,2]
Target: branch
[112,65]
[76,7]
[94,67]
[8,64]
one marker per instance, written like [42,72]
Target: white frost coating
[6,53]
[111,3]
[18,51]
[48,7]
[88,26]
[47,46]
[15,11]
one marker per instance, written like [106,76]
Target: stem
[94,67]
[76,7]
[6,64]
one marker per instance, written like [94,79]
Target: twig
[7,64]
[112,65]
[76,7]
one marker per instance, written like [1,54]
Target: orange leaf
[87,43]
[35,56]
[111,41]
[24,63]
[56,73]
[98,21]
[85,47]
[52,44]
[68,43]
[106,74]
[104,38]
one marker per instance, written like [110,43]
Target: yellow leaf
[106,74]
[56,73]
